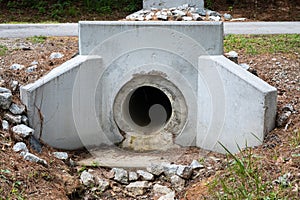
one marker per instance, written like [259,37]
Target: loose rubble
[184,12]
[5,98]
[5,125]
[14,85]
[22,130]
[16,66]
[121,175]
[87,178]
[102,184]
[16,109]
[14,119]
[233,56]
[196,165]
[56,55]
[33,158]
[177,182]
[284,115]
[169,196]
[20,146]
[145,175]
[138,188]
[161,189]
[60,155]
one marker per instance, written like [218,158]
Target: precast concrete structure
[150,86]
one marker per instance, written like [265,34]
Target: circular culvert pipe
[146,110]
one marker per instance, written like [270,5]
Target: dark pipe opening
[143,99]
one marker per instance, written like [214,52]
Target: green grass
[3,50]
[262,44]
[244,179]
[37,39]
[295,140]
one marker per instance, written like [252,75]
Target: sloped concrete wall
[235,108]
[49,104]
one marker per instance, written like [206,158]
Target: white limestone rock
[56,55]
[16,66]
[14,119]
[196,165]
[16,109]
[60,155]
[145,175]
[170,169]
[169,196]
[33,158]
[5,98]
[5,125]
[138,188]
[14,85]
[87,178]
[177,182]
[31,69]
[156,169]
[103,184]
[132,176]
[22,130]
[184,171]
[227,16]
[161,189]
[20,146]
[121,175]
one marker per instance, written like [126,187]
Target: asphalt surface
[71,29]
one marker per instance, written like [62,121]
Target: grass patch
[37,39]
[244,178]
[3,50]
[261,44]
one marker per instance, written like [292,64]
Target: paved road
[71,29]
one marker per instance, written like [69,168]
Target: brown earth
[60,181]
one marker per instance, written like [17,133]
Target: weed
[72,11]
[40,6]
[209,4]
[95,164]
[15,191]
[242,179]
[295,140]
[37,39]
[3,50]
[82,169]
[201,160]
[104,10]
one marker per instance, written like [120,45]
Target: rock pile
[185,12]
[162,180]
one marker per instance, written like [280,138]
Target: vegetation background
[72,11]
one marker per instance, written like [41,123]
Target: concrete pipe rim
[171,95]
